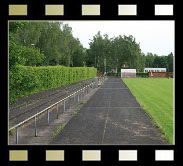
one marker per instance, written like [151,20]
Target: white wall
[128,70]
[154,69]
[128,73]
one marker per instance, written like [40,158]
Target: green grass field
[155,95]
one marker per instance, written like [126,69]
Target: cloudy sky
[154,36]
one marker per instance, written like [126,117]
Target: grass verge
[11,132]
[155,95]
[58,130]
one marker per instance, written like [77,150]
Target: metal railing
[82,91]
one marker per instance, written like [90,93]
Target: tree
[153,60]
[15,50]
[53,39]
[170,62]
[114,52]
[149,59]
[79,55]
[32,56]
[160,62]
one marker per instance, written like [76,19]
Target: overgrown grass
[155,95]
[11,132]
[58,130]
[83,102]
[77,109]
[74,113]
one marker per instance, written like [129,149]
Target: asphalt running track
[111,116]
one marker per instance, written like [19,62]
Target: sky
[156,37]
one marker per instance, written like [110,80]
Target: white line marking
[113,88]
[106,120]
[113,107]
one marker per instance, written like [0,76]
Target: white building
[154,69]
[128,73]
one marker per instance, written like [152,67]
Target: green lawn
[155,95]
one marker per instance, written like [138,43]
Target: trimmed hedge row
[138,74]
[114,74]
[142,74]
[26,80]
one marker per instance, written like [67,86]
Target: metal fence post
[57,111]
[64,105]
[69,101]
[85,90]
[74,98]
[48,117]
[35,126]
[17,135]
[96,82]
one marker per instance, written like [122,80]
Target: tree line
[112,53]
[52,43]
[45,44]
[153,60]
[123,51]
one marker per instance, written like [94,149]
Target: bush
[114,74]
[26,80]
[139,74]
[142,74]
[15,52]
[32,56]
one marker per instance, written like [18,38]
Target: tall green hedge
[26,80]
[142,74]
[114,74]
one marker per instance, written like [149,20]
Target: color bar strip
[127,155]
[54,10]
[163,10]
[164,155]
[90,10]
[18,155]
[54,155]
[127,10]
[91,155]
[17,10]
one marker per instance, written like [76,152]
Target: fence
[81,93]
[160,74]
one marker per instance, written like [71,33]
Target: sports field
[155,95]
